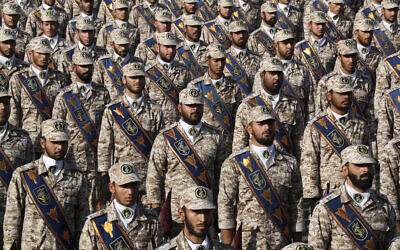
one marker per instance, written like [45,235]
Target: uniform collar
[84,88]
[168,66]
[340,117]
[7,62]
[14,31]
[244,5]
[151,6]
[50,162]
[358,197]
[390,26]
[318,43]
[270,31]
[194,46]
[285,8]
[54,39]
[333,17]
[378,7]
[3,130]
[47,7]
[364,51]
[137,101]
[285,64]
[121,24]
[21,3]
[91,17]
[264,153]
[40,73]
[217,83]
[352,75]
[193,246]
[240,53]
[84,47]
[188,127]
[224,22]
[122,61]
[120,210]
[274,99]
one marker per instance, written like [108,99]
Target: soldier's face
[272,81]
[191,113]
[216,66]
[390,15]
[121,49]
[127,194]
[285,49]
[163,26]
[193,32]
[49,2]
[360,175]
[54,150]
[364,37]
[336,8]
[167,52]
[10,20]
[121,14]
[262,133]
[50,28]
[269,18]
[86,37]
[317,29]
[134,84]
[84,72]
[4,110]
[87,5]
[39,59]
[348,62]
[7,48]
[196,222]
[284,1]
[151,1]
[190,8]
[225,12]
[240,38]
[340,101]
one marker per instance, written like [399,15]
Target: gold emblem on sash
[32,84]
[108,227]
[163,83]
[357,229]
[80,115]
[314,62]
[218,108]
[130,127]
[236,70]
[182,147]
[42,195]
[257,180]
[336,138]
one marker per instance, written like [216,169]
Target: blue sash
[332,134]
[188,157]
[312,60]
[284,22]
[217,106]
[238,14]
[178,23]
[69,54]
[114,73]
[320,6]
[394,64]
[266,42]
[4,81]
[34,90]
[368,13]
[73,25]
[190,62]
[352,4]
[281,134]
[174,8]
[48,207]
[110,28]
[6,169]
[38,16]
[218,33]
[395,97]
[355,108]
[397,146]
[332,32]
[384,42]
[82,119]
[263,190]
[204,11]
[151,45]
[52,64]
[365,70]
[108,4]
[22,19]
[111,235]
[78,3]
[238,73]
[164,84]
[147,15]
[287,88]
[60,3]
[132,129]
[353,224]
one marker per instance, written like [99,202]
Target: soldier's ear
[309,25]
[180,108]
[157,48]
[43,143]
[181,214]
[355,33]
[276,46]
[249,129]
[345,170]
[230,36]
[329,96]
[111,187]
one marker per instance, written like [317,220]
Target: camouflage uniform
[33,26]
[251,12]
[16,66]
[206,35]
[22,40]
[200,54]
[295,16]
[73,10]
[180,243]
[104,39]
[25,11]
[70,35]
[393,35]
[104,15]
[395,244]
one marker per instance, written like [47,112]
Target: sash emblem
[257,180]
[42,195]
[182,147]
[130,127]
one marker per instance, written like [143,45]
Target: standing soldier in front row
[353,216]
[260,190]
[123,224]
[47,198]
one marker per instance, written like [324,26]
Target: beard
[361,184]
[264,141]
[191,230]
[271,21]
[86,77]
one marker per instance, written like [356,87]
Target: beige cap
[271,64]
[215,51]
[6,35]
[298,246]
[283,35]
[197,198]
[10,8]
[339,84]
[318,17]
[269,7]
[225,3]
[260,113]
[133,69]
[40,45]
[390,4]
[336,1]
[4,93]
[190,1]
[120,4]
[82,58]
[192,20]
[123,173]
[347,47]
[55,130]
[191,96]
[166,38]
[163,16]
[84,23]
[49,15]
[237,26]
[357,154]
[120,36]
[364,24]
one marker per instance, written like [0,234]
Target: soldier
[196,210]
[287,110]
[47,198]
[146,50]
[105,13]
[76,8]
[249,12]
[189,7]
[339,26]
[131,225]
[33,24]
[33,91]
[243,202]
[240,57]
[372,9]
[290,17]
[298,246]
[262,39]
[10,16]
[324,138]
[119,56]
[367,211]
[174,77]
[132,111]
[26,7]
[15,151]
[188,153]
[395,244]
[90,99]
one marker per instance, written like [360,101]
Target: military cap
[190,1]
[166,38]
[260,113]
[40,45]
[55,130]
[357,154]
[48,15]
[4,93]
[318,17]
[269,7]
[215,51]
[298,246]
[120,4]
[82,58]
[339,84]
[84,23]
[192,20]
[390,4]
[163,16]
[133,69]
[271,64]
[283,35]
[364,24]
[337,1]
[237,26]
[197,198]
[6,35]
[225,3]
[191,96]
[347,47]
[10,8]
[123,173]
[120,36]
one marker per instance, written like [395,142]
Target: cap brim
[201,206]
[123,181]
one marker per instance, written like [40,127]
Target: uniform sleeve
[385,121]
[29,152]
[383,80]
[240,135]
[106,143]
[157,236]
[141,52]
[295,198]
[88,238]
[309,107]
[320,229]
[321,102]
[82,210]
[98,74]
[59,109]
[392,227]
[389,177]
[31,26]
[16,111]
[101,37]
[70,34]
